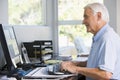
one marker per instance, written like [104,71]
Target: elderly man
[103,62]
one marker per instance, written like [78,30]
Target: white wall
[4,11]
[118,16]
[31,33]
[114,11]
[52,22]
[112,8]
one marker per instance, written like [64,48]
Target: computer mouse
[21,72]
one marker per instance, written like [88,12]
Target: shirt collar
[100,33]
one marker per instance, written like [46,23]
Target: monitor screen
[9,43]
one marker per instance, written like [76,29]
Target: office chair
[80,46]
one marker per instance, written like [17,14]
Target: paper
[80,59]
[52,61]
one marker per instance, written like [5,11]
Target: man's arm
[94,73]
[81,64]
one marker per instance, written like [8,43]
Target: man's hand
[68,66]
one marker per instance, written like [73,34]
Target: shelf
[42,49]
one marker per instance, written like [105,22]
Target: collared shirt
[105,52]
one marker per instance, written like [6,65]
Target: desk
[61,77]
[3,77]
[68,78]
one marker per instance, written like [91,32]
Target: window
[26,12]
[70,16]
[68,33]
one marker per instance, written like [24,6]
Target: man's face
[90,21]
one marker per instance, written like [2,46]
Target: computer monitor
[10,47]
[2,59]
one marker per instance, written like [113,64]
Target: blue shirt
[105,52]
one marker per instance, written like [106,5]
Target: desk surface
[68,78]
[3,77]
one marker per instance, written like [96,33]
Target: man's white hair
[98,7]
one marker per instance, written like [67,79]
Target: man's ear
[99,15]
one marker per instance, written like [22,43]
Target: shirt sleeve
[108,56]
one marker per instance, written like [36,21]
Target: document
[80,59]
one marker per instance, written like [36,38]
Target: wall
[118,16]
[3,11]
[114,11]
[112,8]
[52,22]
[31,33]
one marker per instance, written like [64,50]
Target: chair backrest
[79,44]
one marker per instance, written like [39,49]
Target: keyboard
[34,64]
[55,70]
[34,71]
[43,73]
[27,66]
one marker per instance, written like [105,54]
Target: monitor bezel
[6,52]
